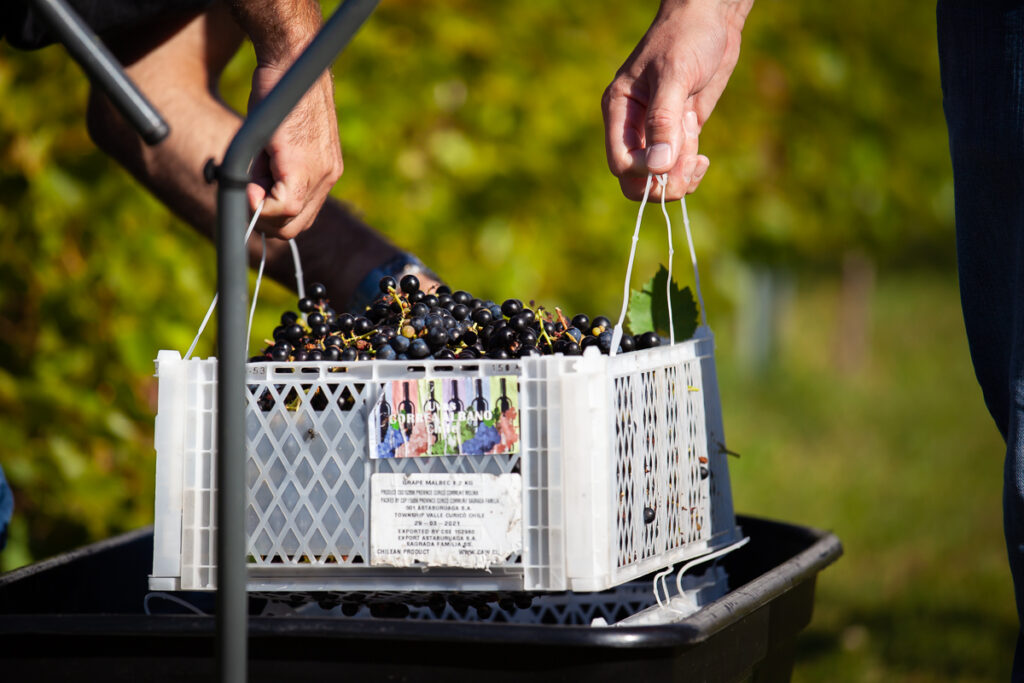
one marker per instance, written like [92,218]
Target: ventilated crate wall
[601,440]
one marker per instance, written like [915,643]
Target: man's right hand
[302,160]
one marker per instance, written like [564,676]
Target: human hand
[302,160]
[665,91]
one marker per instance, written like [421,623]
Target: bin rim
[823,550]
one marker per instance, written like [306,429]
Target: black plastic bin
[80,616]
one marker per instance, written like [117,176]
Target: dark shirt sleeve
[22,28]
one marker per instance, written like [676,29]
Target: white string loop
[213,304]
[256,293]
[663,183]
[617,333]
[693,260]
[300,283]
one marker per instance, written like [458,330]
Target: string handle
[300,285]
[663,183]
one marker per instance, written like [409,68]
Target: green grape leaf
[648,308]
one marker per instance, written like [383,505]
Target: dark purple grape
[648,340]
[468,353]
[416,297]
[321,330]
[601,321]
[279,354]
[443,289]
[361,326]
[410,284]
[300,356]
[430,300]
[333,341]
[316,354]
[648,515]
[627,344]
[294,333]
[482,316]
[418,349]
[574,334]
[436,337]
[518,322]
[316,291]
[306,305]
[399,343]
[378,340]
[572,349]
[345,322]
[332,353]
[460,311]
[386,353]
[462,297]
[510,307]
[387,283]
[444,354]
[498,354]
[581,321]
[289,318]
[364,355]
[604,341]
[278,333]
[503,337]
[348,355]
[528,338]
[315,319]
[419,310]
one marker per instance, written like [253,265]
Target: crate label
[445,520]
[450,416]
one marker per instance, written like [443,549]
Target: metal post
[232,216]
[102,68]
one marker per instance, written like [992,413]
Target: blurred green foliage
[472,136]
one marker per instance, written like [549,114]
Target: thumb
[664,125]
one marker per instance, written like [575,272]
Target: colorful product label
[451,416]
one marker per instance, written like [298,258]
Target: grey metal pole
[232,216]
[102,68]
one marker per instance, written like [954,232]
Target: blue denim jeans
[981,52]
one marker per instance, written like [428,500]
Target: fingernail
[659,155]
[690,124]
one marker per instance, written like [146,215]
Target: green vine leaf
[648,308]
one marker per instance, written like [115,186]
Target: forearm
[279,29]
[179,77]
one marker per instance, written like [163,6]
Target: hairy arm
[302,160]
[177,66]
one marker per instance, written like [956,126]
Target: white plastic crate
[602,438]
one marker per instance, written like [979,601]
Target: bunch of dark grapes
[406,323]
